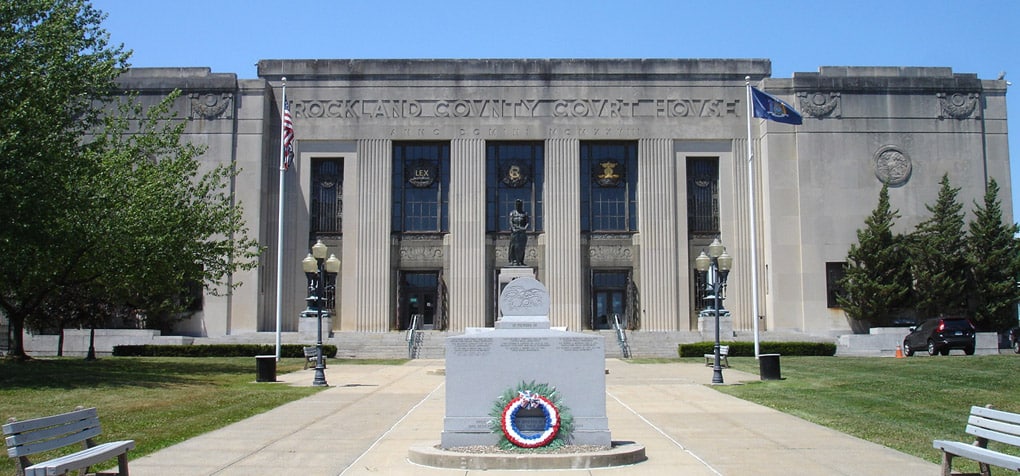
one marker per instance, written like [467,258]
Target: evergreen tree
[938,257]
[876,279]
[994,260]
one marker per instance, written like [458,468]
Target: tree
[938,256]
[994,259]
[54,61]
[99,197]
[876,280]
[175,226]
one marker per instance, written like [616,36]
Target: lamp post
[718,263]
[318,269]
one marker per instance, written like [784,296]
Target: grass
[155,401]
[900,403]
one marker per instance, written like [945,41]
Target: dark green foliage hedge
[216,350]
[746,349]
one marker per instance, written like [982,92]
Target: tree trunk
[17,323]
[60,343]
[92,344]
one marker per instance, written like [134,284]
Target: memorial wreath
[542,403]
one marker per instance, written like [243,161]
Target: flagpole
[754,233]
[279,222]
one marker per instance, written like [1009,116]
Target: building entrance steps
[367,422]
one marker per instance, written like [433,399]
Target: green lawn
[900,403]
[155,401]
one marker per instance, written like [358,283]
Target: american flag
[288,138]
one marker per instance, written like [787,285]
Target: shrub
[216,350]
[746,349]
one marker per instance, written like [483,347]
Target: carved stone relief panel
[421,251]
[958,105]
[609,250]
[819,104]
[211,105]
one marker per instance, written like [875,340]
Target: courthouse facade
[407,170]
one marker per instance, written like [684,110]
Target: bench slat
[45,433]
[991,432]
[40,446]
[995,414]
[978,453]
[89,457]
[28,425]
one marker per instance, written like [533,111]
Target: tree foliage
[939,269]
[994,259]
[876,280]
[938,257]
[103,202]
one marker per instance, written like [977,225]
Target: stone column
[563,233]
[468,278]
[660,247]
[365,276]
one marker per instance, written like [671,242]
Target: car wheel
[1016,346]
[931,348]
[907,350]
[969,350]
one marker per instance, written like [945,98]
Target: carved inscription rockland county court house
[513,108]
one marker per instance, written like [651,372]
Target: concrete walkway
[366,422]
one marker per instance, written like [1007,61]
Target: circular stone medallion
[524,297]
[892,166]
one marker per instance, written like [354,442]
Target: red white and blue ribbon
[529,401]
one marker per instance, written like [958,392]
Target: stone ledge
[622,453]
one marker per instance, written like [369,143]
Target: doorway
[419,299]
[608,298]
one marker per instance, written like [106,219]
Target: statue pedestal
[306,327]
[706,325]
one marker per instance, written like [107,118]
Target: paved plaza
[366,422]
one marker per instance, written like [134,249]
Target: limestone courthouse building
[628,169]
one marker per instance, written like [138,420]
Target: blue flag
[767,106]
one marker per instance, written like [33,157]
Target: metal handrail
[413,338]
[621,337]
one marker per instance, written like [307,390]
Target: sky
[231,36]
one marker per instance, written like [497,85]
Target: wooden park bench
[312,357]
[724,351]
[986,424]
[25,438]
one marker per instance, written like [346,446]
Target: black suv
[939,335]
